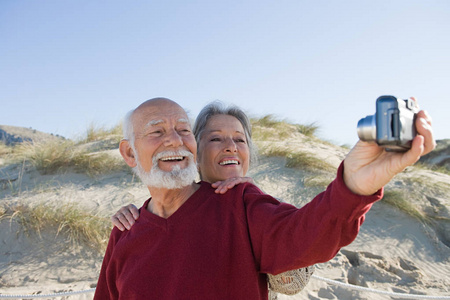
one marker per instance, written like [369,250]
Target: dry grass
[308,129]
[99,133]
[266,121]
[305,160]
[424,184]
[4,149]
[269,128]
[317,182]
[299,160]
[68,220]
[2,212]
[399,199]
[440,169]
[60,155]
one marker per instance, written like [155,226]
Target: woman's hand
[223,186]
[125,217]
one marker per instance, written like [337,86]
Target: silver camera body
[392,126]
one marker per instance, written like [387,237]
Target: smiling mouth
[172,158]
[229,162]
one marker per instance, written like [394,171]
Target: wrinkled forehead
[152,115]
[171,120]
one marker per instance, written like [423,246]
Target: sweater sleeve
[104,290]
[284,237]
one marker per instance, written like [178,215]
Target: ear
[127,153]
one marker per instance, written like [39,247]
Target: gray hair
[219,108]
[127,128]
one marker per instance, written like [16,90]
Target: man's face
[162,130]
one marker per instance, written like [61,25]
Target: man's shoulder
[116,235]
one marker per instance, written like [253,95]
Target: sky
[65,65]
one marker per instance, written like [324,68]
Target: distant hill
[440,156]
[11,135]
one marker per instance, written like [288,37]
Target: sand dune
[394,252]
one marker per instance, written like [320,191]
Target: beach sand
[394,252]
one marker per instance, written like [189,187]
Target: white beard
[177,178]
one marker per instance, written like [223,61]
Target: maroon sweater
[221,246]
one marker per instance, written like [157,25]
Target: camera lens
[367,129]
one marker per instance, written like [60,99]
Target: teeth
[172,158]
[229,162]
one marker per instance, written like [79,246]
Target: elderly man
[191,243]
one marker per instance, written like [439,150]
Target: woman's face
[223,150]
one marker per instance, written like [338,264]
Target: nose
[173,139]
[230,146]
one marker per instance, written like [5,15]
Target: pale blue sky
[66,64]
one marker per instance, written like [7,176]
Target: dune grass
[268,128]
[305,160]
[435,168]
[423,183]
[68,220]
[4,149]
[59,155]
[2,212]
[308,129]
[317,182]
[99,133]
[399,199]
[299,160]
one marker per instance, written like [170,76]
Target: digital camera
[393,124]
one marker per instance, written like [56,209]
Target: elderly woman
[225,152]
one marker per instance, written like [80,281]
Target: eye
[155,133]
[184,131]
[215,139]
[239,140]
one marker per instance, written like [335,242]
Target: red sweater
[221,246]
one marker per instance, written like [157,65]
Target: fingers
[424,114]
[115,220]
[125,217]
[134,211]
[424,128]
[223,186]
[216,184]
